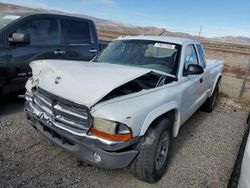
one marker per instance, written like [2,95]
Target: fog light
[97,158]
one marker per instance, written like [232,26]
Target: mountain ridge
[112,28]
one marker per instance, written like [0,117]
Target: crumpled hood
[82,82]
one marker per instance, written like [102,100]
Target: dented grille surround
[68,114]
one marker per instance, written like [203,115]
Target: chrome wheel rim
[162,150]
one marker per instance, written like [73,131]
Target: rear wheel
[210,103]
[154,149]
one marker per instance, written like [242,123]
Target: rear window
[202,55]
[75,32]
[6,19]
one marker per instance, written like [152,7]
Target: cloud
[108,2]
[30,3]
[139,14]
[34,4]
[105,2]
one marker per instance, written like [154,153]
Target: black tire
[248,119]
[210,103]
[154,149]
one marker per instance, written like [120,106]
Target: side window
[190,56]
[202,55]
[41,31]
[75,32]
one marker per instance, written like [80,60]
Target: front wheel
[154,149]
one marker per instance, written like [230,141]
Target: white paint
[244,181]
[83,82]
[167,39]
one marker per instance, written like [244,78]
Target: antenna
[162,32]
[200,32]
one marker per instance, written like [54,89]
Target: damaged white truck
[123,108]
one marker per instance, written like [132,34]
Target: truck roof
[22,13]
[30,13]
[175,40]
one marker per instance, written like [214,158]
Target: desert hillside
[109,29]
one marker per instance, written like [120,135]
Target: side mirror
[20,38]
[193,69]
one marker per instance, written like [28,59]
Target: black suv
[28,37]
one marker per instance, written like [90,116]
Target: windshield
[6,19]
[142,53]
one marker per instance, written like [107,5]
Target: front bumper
[111,155]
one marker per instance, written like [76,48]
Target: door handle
[59,52]
[92,50]
[201,80]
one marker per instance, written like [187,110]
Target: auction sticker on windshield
[164,45]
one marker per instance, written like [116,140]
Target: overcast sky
[217,17]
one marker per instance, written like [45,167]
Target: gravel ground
[203,154]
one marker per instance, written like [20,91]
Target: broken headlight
[110,130]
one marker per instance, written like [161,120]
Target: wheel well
[214,86]
[219,79]
[172,115]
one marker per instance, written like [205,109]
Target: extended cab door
[192,85]
[44,44]
[206,74]
[80,37]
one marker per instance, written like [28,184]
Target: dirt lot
[202,156]
[234,72]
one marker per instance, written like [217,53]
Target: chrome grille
[68,114]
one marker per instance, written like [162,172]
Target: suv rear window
[75,32]
[41,31]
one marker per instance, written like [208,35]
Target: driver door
[191,84]
[45,40]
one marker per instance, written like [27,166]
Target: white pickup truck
[123,108]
